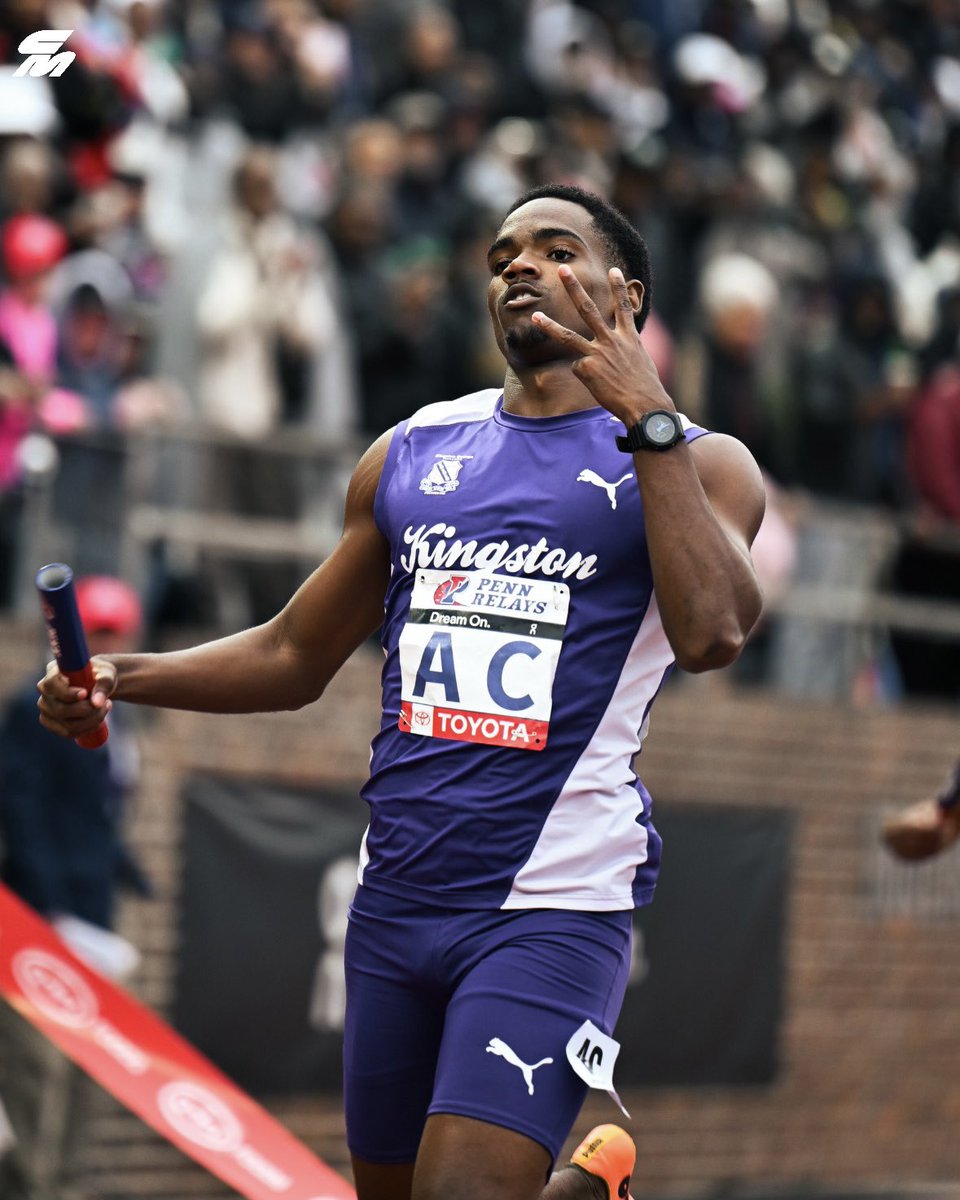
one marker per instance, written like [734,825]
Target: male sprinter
[538,559]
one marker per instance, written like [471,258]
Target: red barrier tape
[151,1069]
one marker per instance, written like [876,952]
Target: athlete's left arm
[702,503]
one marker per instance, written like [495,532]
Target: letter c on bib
[495,675]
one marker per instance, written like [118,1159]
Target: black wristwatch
[656,430]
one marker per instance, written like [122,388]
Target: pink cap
[31,244]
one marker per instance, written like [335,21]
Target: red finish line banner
[151,1069]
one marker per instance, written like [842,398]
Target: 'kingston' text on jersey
[438,546]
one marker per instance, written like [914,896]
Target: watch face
[659,429]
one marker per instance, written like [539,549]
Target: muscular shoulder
[477,406]
[719,451]
[732,479]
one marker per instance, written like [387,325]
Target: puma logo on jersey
[588,476]
[497,1046]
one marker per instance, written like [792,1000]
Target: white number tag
[592,1055]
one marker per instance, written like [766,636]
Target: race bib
[592,1055]
[478,656]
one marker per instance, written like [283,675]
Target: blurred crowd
[261,215]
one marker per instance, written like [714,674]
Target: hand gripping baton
[67,640]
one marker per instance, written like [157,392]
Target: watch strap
[637,439]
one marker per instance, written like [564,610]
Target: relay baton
[67,639]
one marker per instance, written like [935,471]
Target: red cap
[108,605]
[31,244]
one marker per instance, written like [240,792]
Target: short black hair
[627,248]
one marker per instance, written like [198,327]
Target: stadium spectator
[853,382]
[429,53]
[423,202]
[28,178]
[928,563]
[327,54]
[88,351]
[253,81]
[264,318]
[264,315]
[725,369]
[943,345]
[126,237]
[32,245]
[414,348]
[16,415]
[61,816]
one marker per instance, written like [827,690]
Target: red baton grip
[85,678]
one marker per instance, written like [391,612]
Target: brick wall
[869,1091]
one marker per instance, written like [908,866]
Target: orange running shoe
[608,1152]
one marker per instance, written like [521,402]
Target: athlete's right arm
[283,664]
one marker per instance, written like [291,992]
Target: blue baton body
[67,638]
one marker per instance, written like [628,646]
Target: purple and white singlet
[523,649]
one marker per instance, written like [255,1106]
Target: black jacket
[60,809]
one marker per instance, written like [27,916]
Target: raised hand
[614,364]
